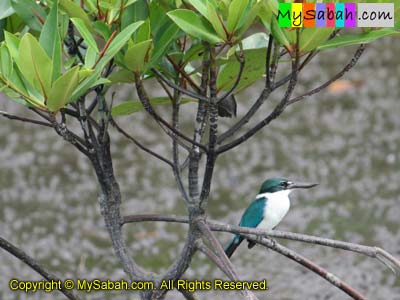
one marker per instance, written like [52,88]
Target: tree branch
[213,131]
[149,108]
[331,278]
[270,77]
[23,256]
[139,144]
[275,113]
[374,252]
[175,149]
[213,257]
[23,119]
[177,87]
[226,264]
[346,68]
[201,117]
[241,59]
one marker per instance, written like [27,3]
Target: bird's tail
[233,245]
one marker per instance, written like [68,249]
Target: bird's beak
[301,185]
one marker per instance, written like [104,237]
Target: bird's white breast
[276,208]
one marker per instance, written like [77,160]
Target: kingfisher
[268,208]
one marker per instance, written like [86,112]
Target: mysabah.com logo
[336,14]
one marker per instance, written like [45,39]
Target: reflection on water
[347,139]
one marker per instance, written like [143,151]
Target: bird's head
[278,184]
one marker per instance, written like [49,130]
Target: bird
[268,208]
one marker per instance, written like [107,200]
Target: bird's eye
[284,184]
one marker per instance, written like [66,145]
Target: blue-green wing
[253,214]
[251,218]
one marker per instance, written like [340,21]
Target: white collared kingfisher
[268,208]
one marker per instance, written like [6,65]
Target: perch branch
[331,278]
[374,252]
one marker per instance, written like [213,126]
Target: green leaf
[189,22]
[16,87]
[236,10]
[12,43]
[164,31]
[50,40]
[194,53]
[311,38]
[143,33]
[137,56]
[90,57]
[115,46]
[252,71]
[280,34]
[213,17]
[122,76]
[201,7]
[5,9]
[62,89]
[103,29]
[355,39]
[254,41]
[84,73]
[129,2]
[267,13]
[30,12]
[6,63]
[63,21]
[35,64]
[85,33]
[120,41]
[137,11]
[100,81]
[130,107]
[75,11]
[248,18]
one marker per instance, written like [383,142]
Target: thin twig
[270,71]
[179,70]
[139,144]
[24,257]
[241,59]
[23,119]
[176,101]
[149,108]
[278,110]
[177,87]
[350,65]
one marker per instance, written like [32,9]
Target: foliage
[37,71]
